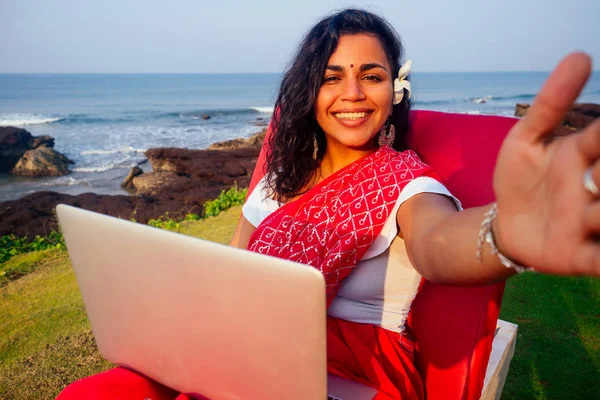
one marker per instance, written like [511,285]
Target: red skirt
[375,357]
[362,353]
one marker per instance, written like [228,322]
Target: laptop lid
[200,317]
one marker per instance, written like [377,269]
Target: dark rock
[161,159]
[34,214]
[43,161]
[253,141]
[521,109]
[215,165]
[38,141]
[580,115]
[128,182]
[194,176]
[152,184]
[14,142]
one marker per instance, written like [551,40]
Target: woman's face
[355,98]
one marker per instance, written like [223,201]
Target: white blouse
[383,285]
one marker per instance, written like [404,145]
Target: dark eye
[373,78]
[330,79]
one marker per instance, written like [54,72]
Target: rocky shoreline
[580,116]
[180,182]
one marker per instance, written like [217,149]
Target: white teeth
[352,116]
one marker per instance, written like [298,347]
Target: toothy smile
[351,115]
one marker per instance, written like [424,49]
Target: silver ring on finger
[589,184]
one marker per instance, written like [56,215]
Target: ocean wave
[479,100]
[198,114]
[27,119]
[76,119]
[435,102]
[101,168]
[264,110]
[66,181]
[124,149]
[528,96]
[107,165]
[90,119]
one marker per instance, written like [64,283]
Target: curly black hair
[290,165]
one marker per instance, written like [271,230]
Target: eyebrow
[366,67]
[363,67]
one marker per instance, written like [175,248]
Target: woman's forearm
[442,243]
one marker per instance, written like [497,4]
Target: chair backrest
[453,326]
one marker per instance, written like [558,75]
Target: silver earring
[315,147]
[387,134]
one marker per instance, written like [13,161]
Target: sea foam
[265,110]
[124,149]
[101,168]
[479,100]
[26,119]
[66,181]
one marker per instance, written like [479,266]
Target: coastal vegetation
[212,208]
[12,245]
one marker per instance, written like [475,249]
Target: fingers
[589,143]
[555,98]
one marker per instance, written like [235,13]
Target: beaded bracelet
[487,236]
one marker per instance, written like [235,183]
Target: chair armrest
[503,348]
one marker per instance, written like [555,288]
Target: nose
[352,90]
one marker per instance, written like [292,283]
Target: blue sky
[233,36]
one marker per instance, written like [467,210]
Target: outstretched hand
[546,218]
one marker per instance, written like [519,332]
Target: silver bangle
[487,236]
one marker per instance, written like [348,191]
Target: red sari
[330,228]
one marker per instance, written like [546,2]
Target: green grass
[216,229]
[557,352]
[20,265]
[46,343]
[45,338]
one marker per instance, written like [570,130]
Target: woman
[341,193]
[338,197]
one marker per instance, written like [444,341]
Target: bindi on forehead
[351,65]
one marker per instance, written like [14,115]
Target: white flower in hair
[401,83]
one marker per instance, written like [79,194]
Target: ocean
[104,122]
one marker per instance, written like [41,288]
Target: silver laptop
[200,317]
